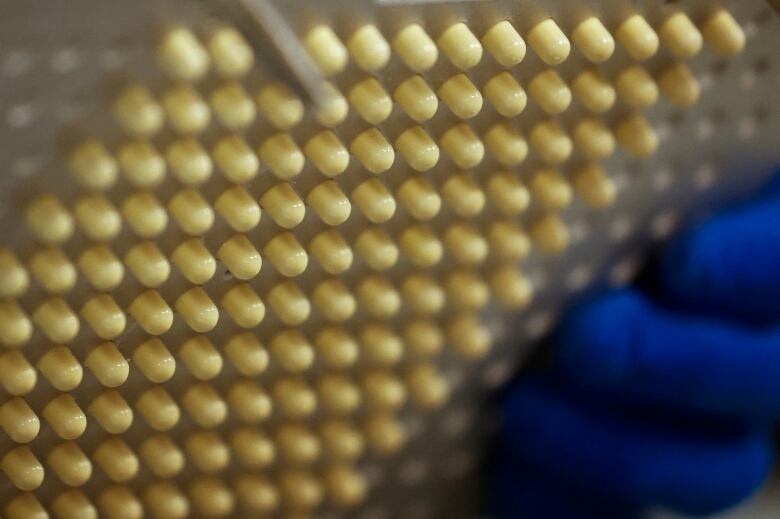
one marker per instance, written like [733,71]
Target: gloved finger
[622,342]
[608,453]
[729,265]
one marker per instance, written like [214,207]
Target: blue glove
[662,400]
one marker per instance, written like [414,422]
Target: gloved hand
[657,400]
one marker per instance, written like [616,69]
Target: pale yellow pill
[14,278]
[593,91]
[22,468]
[551,189]
[70,464]
[594,186]
[383,390]
[506,144]
[327,153]
[385,434]
[286,255]
[679,85]
[371,101]
[158,409]
[25,506]
[415,48]
[511,287]
[148,264]
[138,112]
[336,347]
[280,106]
[466,290]
[60,368]
[338,394]
[294,397]
[101,267]
[161,456]
[636,87]
[256,494]
[19,421]
[637,37]
[194,261]
[93,166]
[111,411]
[289,304]
[421,246]
[53,270]
[192,212]
[508,193]
[376,248]
[301,490]
[417,147]
[326,49]
[331,251]
[550,91]
[423,337]
[333,108]
[204,405]
[145,215]
[369,48]
[164,499]
[463,195]
[461,96]
[141,163]
[247,354]
[593,139]
[460,45]
[237,207]
[548,42]
[190,163]
[56,319]
[463,146]
[243,305]
[593,40]
[505,94]
[207,451]
[73,504]
[154,360]
[550,234]
[97,217]
[469,337]
[197,309]
[18,375]
[284,206]
[182,56]
[334,300]
[235,159]
[231,54]
[551,142]
[374,200]
[636,135]
[341,440]
[186,110]
[380,345]
[420,198]
[680,36]
[423,294]
[117,460]
[723,33]
[65,417]
[15,326]
[233,106]
[201,357]
[240,257]
[253,449]
[416,98]
[48,219]
[104,316]
[378,297]
[282,155]
[372,150]
[292,351]
[151,312]
[504,43]
[466,244]
[118,502]
[428,387]
[250,403]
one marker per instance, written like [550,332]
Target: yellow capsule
[373,151]
[250,402]
[463,195]
[423,294]
[280,106]
[48,219]
[117,460]
[636,36]
[301,490]
[338,394]
[93,166]
[194,261]
[550,234]
[142,164]
[593,40]
[190,163]
[204,405]
[154,360]
[723,33]
[286,255]
[256,494]
[594,186]
[327,153]
[420,198]
[19,421]
[345,486]
[282,203]
[98,218]
[415,48]
[551,189]
[237,207]
[253,448]
[53,270]
[333,108]
[550,141]
[461,96]
[680,35]
[138,112]
[71,465]
[421,246]
[233,106]
[550,91]
[292,351]
[593,139]
[197,309]
[22,468]
[60,368]
[549,42]
[416,98]
[243,305]
[341,441]
[593,91]
[326,49]
[385,434]
[469,337]
[463,146]
[25,506]
[17,375]
[104,316]
[334,300]
[161,456]
[374,200]
[679,85]
[201,358]
[65,417]
[512,289]
[466,290]
[635,134]
[144,214]
[158,409]
[101,267]
[240,257]
[192,212]
[297,444]
[461,46]
[507,193]
[73,504]
[119,502]
[504,43]
[186,110]
[378,297]
[331,252]
[231,54]
[151,312]
[15,326]
[288,303]
[235,159]
[423,338]
[247,354]
[427,386]
[164,499]
[112,412]
[148,264]
[506,144]
[636,87]
[505,94]
[282,155]
[207,451]
[294,398]
[383,390]
[182,56]
[466,244]
[381,345]
[54,317]
[417,147]
[14,279]
[376,248]
[369,48]
[371,101]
